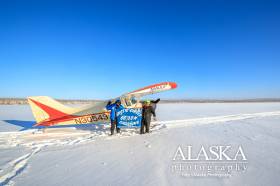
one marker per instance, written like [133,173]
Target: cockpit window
[128,102]
[133,100]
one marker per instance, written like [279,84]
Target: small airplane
[49,112]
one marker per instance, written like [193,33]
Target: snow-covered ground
[88,156]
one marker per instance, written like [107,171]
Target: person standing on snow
[113,115]
[147,112]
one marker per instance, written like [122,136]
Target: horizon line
[23,101]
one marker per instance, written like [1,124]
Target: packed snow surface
[87,155]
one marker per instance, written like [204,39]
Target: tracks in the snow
[35,139]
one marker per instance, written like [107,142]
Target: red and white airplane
[49,112]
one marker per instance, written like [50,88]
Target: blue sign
[129,117]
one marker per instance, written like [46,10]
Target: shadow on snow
[29,125]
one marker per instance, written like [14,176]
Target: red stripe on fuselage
[66,118]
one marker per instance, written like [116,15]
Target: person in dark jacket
[113,115]
[147,112]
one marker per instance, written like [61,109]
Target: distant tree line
[23,101]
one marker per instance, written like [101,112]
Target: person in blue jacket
[113,115]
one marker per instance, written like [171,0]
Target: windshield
[133,100]
[130,101]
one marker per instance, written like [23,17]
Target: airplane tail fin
[45,108]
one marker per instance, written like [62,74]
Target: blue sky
[101,49]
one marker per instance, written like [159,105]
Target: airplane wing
[152,89]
